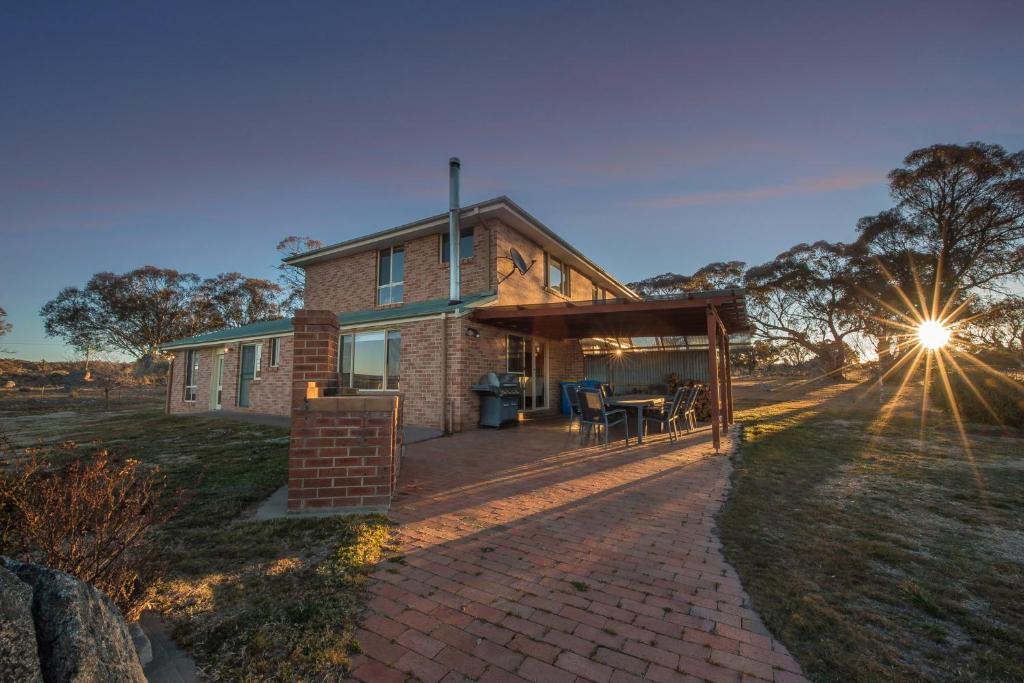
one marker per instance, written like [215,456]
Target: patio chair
[688,412]
[667,417]
[594,414]
[574,403]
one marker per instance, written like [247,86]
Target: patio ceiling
[683,315]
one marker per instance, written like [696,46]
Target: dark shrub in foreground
[90,514]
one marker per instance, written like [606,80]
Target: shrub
[90,514]
[1001,399]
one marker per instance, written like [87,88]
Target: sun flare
[933,335]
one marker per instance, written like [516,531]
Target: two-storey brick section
[398,331]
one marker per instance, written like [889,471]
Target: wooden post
[723,377]
[716,436]
[728,380]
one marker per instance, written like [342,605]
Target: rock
[140,641]
[19,656]
[10,384]
[81,635]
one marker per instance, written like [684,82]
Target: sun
[933,335]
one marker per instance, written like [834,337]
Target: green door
[245,377]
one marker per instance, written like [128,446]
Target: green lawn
[871,553]
[273,600]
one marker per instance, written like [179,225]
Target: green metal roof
[264,328]
[413,310]
[271,328]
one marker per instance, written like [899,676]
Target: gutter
[233,340]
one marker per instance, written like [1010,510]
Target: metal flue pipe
[454,257]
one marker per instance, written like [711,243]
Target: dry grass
[876,550]
[273,600]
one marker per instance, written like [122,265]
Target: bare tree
[293,278]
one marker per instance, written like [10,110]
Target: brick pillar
[314,354]
[345,453]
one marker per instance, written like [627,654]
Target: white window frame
[275,352]
[390,286]
[387,345]
[257,362]
[191,379]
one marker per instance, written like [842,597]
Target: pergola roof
[685,314]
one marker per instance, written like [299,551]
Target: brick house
[398,328]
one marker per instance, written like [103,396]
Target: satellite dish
[517,260]
[518,263]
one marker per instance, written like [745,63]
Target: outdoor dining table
[637,402]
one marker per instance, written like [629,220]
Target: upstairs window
[465,245]
[390,275]
[191,374]
[600,293]
[556,275]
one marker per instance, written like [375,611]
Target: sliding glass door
[528,358]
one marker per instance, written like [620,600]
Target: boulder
[10,384]
[80,633]
[19,656]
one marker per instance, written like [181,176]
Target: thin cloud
[807,186]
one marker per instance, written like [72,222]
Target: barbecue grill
[499,398]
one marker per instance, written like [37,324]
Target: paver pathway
[529,558]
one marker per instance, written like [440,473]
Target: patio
[527,557]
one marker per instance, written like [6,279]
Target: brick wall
[271,394]
[529,288]
[472,356]
[344,453]
[314,353]
[349,283]
[421,362]
[176,396]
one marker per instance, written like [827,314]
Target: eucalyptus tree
[808,296]
[135,312]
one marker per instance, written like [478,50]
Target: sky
[653,136]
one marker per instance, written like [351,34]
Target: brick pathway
[529,558]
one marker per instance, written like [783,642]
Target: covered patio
[716,314]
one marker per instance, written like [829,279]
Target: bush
[1001,400]
[90,514]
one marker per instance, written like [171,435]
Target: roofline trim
[171,346]
[440,220]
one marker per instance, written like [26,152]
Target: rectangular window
[257,364]
[390,275]
[556,275]
[515,354]
[370,360]
[465,245]
[275,352]
[191,374]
